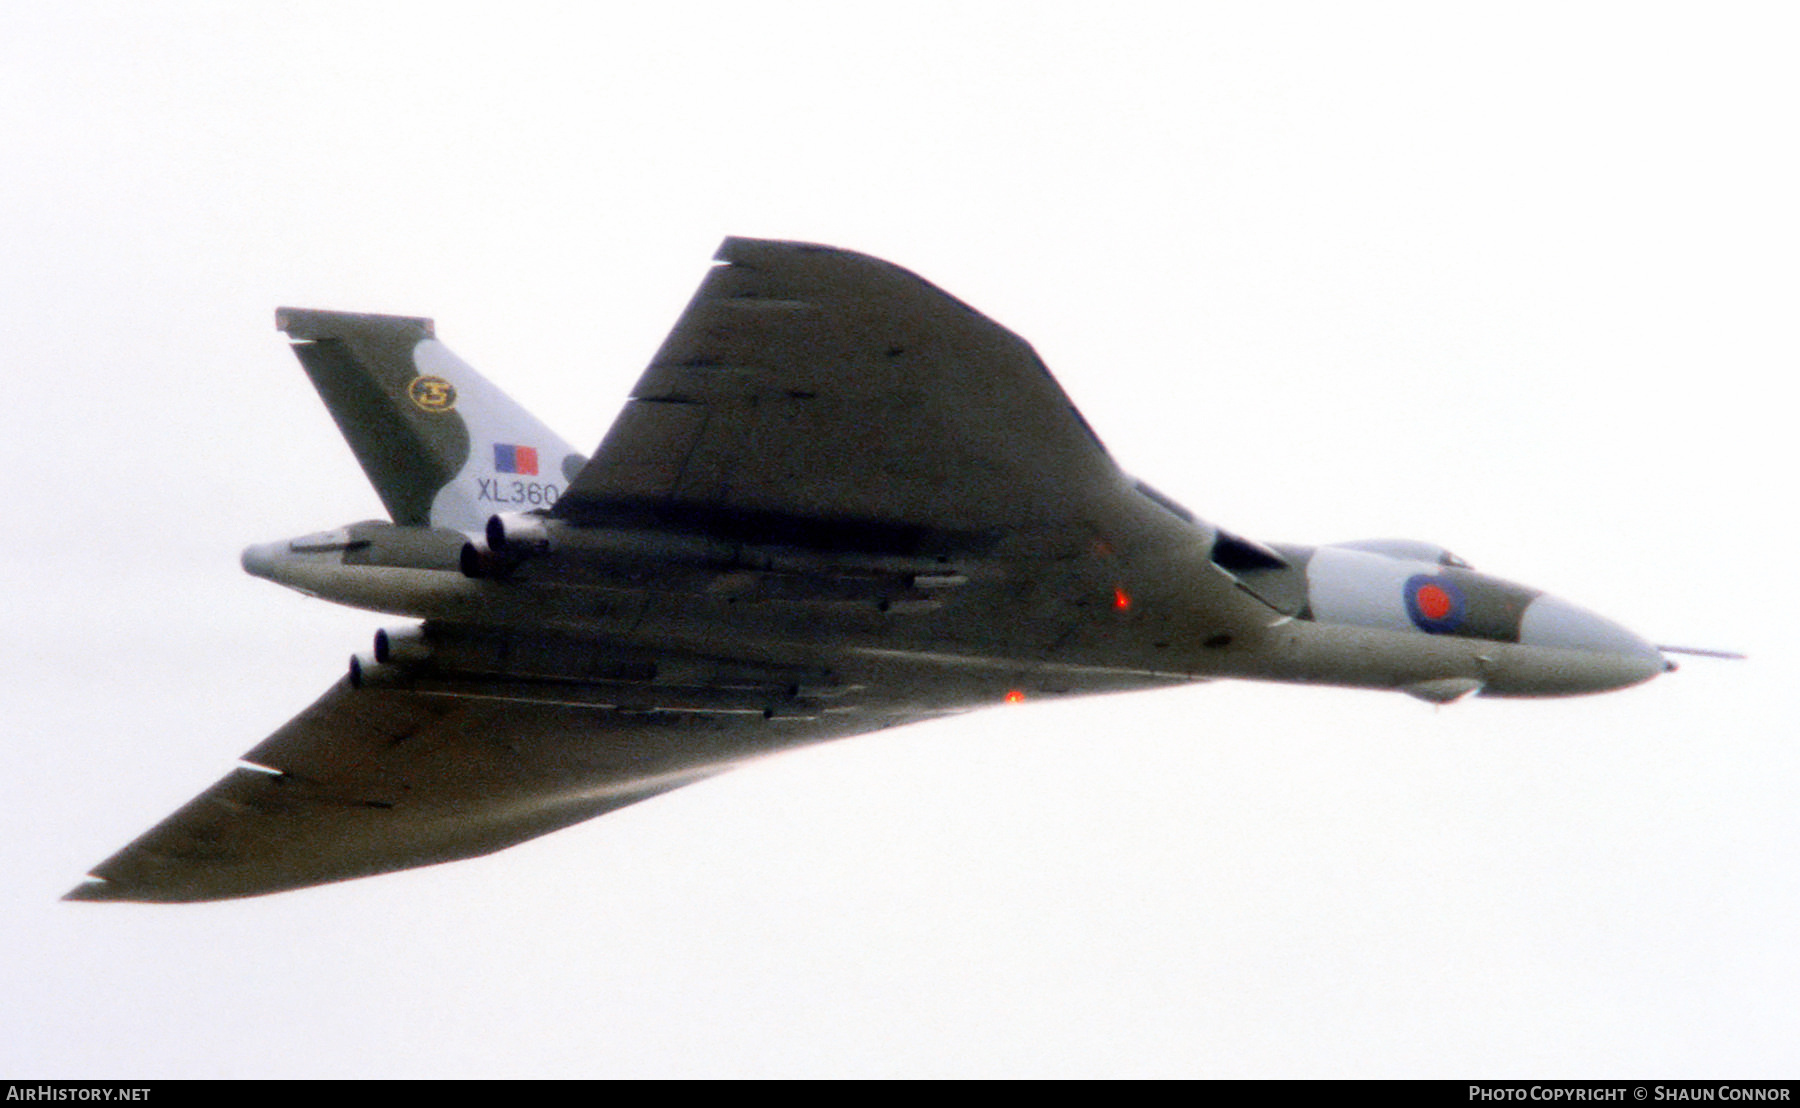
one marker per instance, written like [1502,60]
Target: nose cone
[1592,653]
[259,559]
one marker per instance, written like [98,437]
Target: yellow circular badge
[433,394]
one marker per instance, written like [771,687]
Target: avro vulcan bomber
[839,500]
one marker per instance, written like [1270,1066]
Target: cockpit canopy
[1411,550]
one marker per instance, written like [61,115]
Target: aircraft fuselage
[1071,621]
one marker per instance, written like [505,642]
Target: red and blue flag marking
[516,459]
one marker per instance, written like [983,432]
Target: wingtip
[94,888]
[99,889]
[741,249]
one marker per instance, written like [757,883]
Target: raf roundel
[1434,603]
[433,394]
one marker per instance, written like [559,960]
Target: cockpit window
[1411,550]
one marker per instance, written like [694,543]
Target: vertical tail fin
[442,446]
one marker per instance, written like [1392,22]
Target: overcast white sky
[1516,278]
